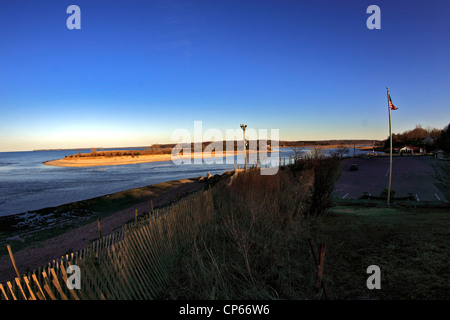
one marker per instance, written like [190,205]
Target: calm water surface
[26,184]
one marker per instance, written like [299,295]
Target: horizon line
[164,143]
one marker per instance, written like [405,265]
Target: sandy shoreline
[122,160]
[111,161]
[91,162]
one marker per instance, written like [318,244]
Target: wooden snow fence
[132,264]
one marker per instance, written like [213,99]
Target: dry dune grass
[255,248]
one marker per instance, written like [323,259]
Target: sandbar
[122,160]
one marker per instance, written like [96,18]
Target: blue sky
[138,70]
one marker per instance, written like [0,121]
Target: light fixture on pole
[245,146]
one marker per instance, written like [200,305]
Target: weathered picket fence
[132,264]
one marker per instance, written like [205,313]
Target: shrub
[384,193]
[322,172]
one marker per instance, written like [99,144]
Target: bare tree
[298,152]
[317,153]
[341,150]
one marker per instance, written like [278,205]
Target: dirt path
[39,254]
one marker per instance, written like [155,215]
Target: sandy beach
[111,161]
[122,160]
[103,161]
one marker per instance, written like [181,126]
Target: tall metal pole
[390,153]
[245,147]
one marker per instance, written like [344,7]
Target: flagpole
[390,153]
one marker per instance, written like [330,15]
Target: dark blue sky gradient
[138,70]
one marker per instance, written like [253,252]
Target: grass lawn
[411,247]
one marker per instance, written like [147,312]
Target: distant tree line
[108,154]
[443,141]
[236,145]
[343,142]
[167,149]
[428,138]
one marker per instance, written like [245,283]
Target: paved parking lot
[409,175]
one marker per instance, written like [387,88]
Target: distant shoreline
[334,146]
[122,160]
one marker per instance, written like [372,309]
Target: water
[26,184]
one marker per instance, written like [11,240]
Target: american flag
[391,105]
